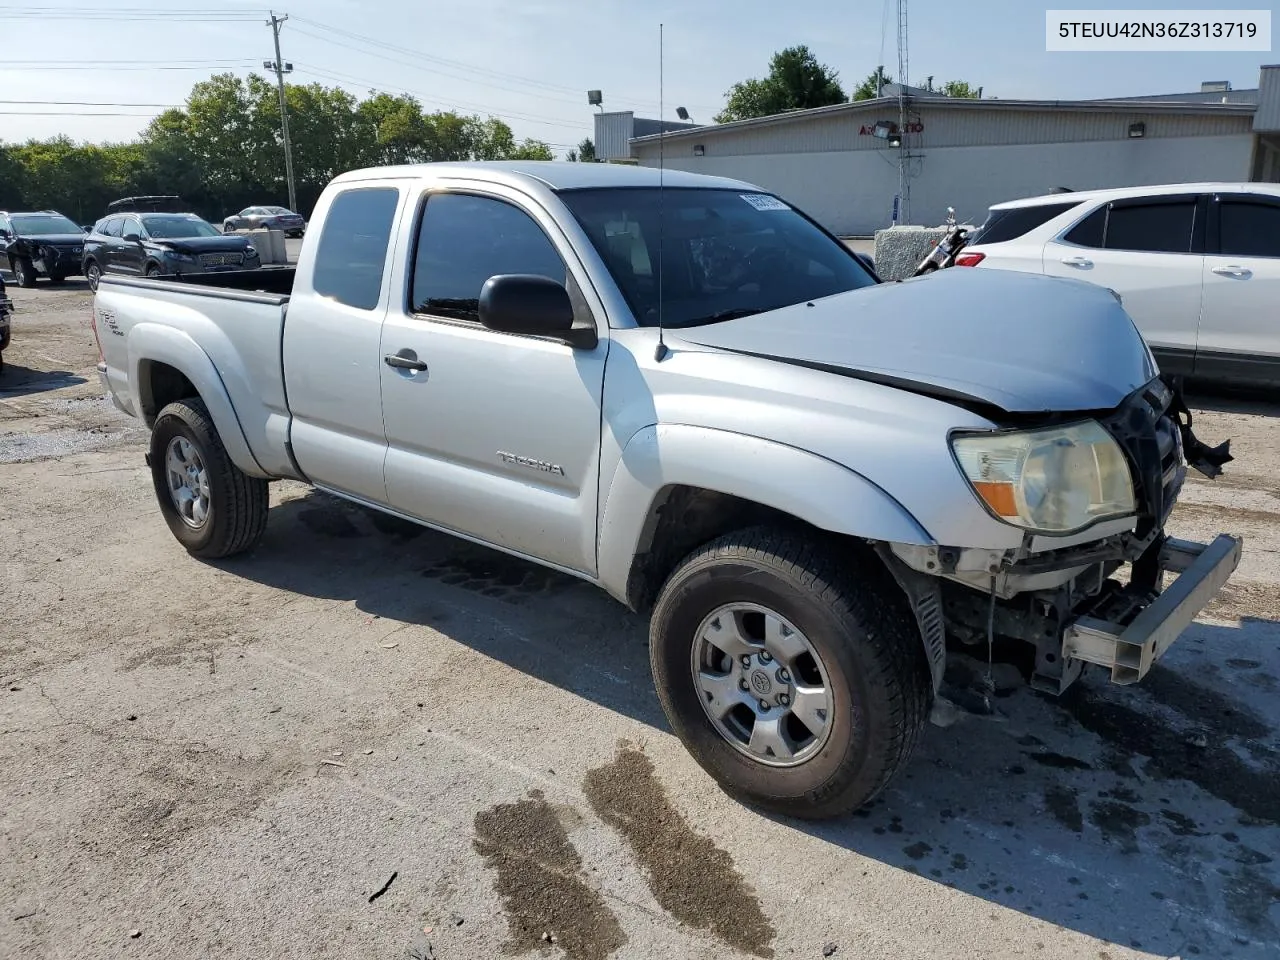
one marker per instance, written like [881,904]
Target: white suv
[1197,264]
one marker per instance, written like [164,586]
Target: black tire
[93,273]
[857,620]
[24,272]
[152,270]
[237,513]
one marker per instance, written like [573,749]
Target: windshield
[43,225]
[725,253]
[177,227]
[276,210]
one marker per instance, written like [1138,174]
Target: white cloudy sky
[532,61]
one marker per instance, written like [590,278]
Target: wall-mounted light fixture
[1137,131]
[699,150]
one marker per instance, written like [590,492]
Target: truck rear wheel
[794,674]
[212,507]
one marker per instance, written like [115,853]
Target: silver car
[273,218]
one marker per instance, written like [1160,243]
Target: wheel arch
[678,487]
[165,365]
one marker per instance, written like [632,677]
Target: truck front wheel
[792,671]
[212,507]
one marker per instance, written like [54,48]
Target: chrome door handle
[404,360]
[1232,271]
[1077,261]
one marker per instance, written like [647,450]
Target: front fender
[819,491]
[156,343]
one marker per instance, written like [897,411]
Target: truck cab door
[332,367]
[1240,328]
[1150,251]
[491,435]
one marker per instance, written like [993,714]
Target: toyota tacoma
[683,390]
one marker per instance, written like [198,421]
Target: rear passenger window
[1249,229]
[113,227]
[464,240]
[1152,227]
[1013,223]
[353,246]
[1088,232]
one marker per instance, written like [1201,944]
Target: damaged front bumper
[1123,633]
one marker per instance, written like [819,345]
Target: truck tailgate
[233,335]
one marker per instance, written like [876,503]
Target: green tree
[584,152]
[223,149]
[960,89]
[870,88]
[796,80]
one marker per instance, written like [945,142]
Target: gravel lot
[234,760]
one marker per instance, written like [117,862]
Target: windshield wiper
[735,314]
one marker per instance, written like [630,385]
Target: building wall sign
[869,130]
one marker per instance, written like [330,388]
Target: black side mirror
[528,304]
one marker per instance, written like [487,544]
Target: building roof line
[957,103]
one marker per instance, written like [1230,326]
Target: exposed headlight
[180,257]
[251,251]
[1056,480]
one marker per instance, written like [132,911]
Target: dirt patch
[1245,600]
[918,850]
[693,879]
[1063,804]
[1214,768]
[1180,825]
[1059,761]
[1250,896]
[539,877]
[1222,714]
[1118,822]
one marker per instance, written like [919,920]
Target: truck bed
[221,329]
[270,281]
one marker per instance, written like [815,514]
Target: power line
[130,66]
[69,113]
[396,88]
[87,103]
[467,68]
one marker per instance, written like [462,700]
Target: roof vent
[1215,86]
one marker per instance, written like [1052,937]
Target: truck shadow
[19,381]
[1147,817]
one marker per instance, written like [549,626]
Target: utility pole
[281,68]
[904,177]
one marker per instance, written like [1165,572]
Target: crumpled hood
[57,240]
[205,244]
[1021,342]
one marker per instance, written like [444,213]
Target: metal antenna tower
[904,180]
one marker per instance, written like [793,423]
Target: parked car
[152,244]
[1197,264]
[810,479]
[273,218]
[6,319]
[40,243]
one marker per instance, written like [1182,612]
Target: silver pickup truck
[688,393]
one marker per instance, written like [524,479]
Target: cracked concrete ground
[234,759]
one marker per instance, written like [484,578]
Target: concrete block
[899,250]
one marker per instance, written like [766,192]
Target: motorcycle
[947,249]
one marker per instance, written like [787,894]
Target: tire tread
[854,584]
[246,499]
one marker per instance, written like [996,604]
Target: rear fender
[155,343]
[793,481]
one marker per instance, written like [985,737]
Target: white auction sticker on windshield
[762,202]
